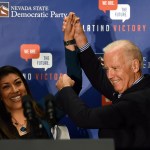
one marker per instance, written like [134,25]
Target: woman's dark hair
[5,116]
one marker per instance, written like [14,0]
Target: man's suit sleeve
[95,72]
[83,116]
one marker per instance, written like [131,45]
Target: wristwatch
[70,42]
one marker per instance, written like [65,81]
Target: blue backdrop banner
[32,40]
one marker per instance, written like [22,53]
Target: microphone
[35,124]
[49,109]
[28,107]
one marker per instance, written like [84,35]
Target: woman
[13,123]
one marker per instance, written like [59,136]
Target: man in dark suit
[120,79]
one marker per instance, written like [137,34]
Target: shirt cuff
[85,47]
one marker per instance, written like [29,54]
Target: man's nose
[110,73]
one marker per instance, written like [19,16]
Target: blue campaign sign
[32,39]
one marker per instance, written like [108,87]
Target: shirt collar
[136,82]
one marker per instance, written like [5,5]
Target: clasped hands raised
[72,29]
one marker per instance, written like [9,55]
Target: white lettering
[27,76]
[96,28]
[21,8]
[40,8]
[53,14]
[34,15]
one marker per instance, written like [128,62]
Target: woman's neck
[18,115]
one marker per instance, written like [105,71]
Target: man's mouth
[114,82]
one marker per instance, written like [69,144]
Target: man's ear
[135,65]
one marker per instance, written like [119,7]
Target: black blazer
[127,120]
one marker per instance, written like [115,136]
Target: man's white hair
[130,49]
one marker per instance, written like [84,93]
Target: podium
[73,144]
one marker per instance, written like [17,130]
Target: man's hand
[68,27]
[64,81]
[73,29]
[79,34]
